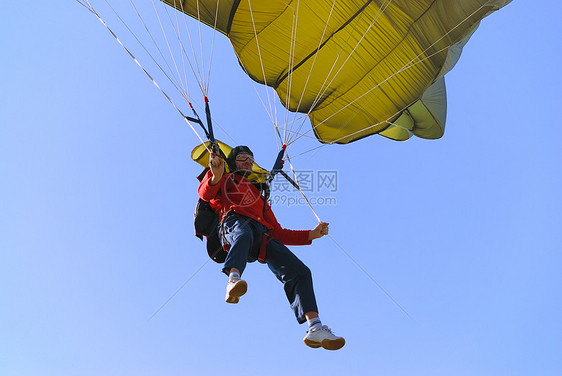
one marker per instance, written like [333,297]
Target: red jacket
[235,193]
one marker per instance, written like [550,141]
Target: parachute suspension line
[269,112]
[180,43]
[269,108]
[164,34]
[387,121]
[168,75]
[311,69]
[204,80]
[180,288]
[182,89]
[195,70]
[198,76]
[171,75]
[371,126]
[133,57]
[291,65]
[198,71]
[278,133]
[301,191]
[371,278]
[177,30]
[325,86]
[201,42]
[261,59]
[87,5]
[288,132]
[212,47]
[370,90]
[278,168]
[354,133]
[405,67]
[275,127]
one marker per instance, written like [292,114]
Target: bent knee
[303,271]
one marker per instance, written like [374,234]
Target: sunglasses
[244,158]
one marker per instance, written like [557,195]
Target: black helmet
[230,160]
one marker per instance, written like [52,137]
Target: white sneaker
[323,338]
[235,289]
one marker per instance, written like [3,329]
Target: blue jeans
[244,235]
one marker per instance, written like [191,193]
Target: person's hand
[319,231]
[217,168]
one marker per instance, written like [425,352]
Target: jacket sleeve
[287,237]
[207,191]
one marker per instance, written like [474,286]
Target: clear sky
[97,191]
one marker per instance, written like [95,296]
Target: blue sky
[97,192]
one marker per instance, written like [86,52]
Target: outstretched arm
[294,237]
[319,231]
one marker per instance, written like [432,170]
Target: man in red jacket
[250,232]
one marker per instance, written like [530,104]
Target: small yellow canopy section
[201,155]
[356,68]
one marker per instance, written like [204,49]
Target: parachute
[356,68]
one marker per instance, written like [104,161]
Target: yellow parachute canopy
[201,155]
[356,68]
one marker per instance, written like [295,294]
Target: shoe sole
[234,294]
[328,344]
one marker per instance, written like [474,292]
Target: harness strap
[226,244]
[265,239]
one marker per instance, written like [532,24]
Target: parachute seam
[235,6]
[304,60]
[322,103]
[405,67]
[325,86]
